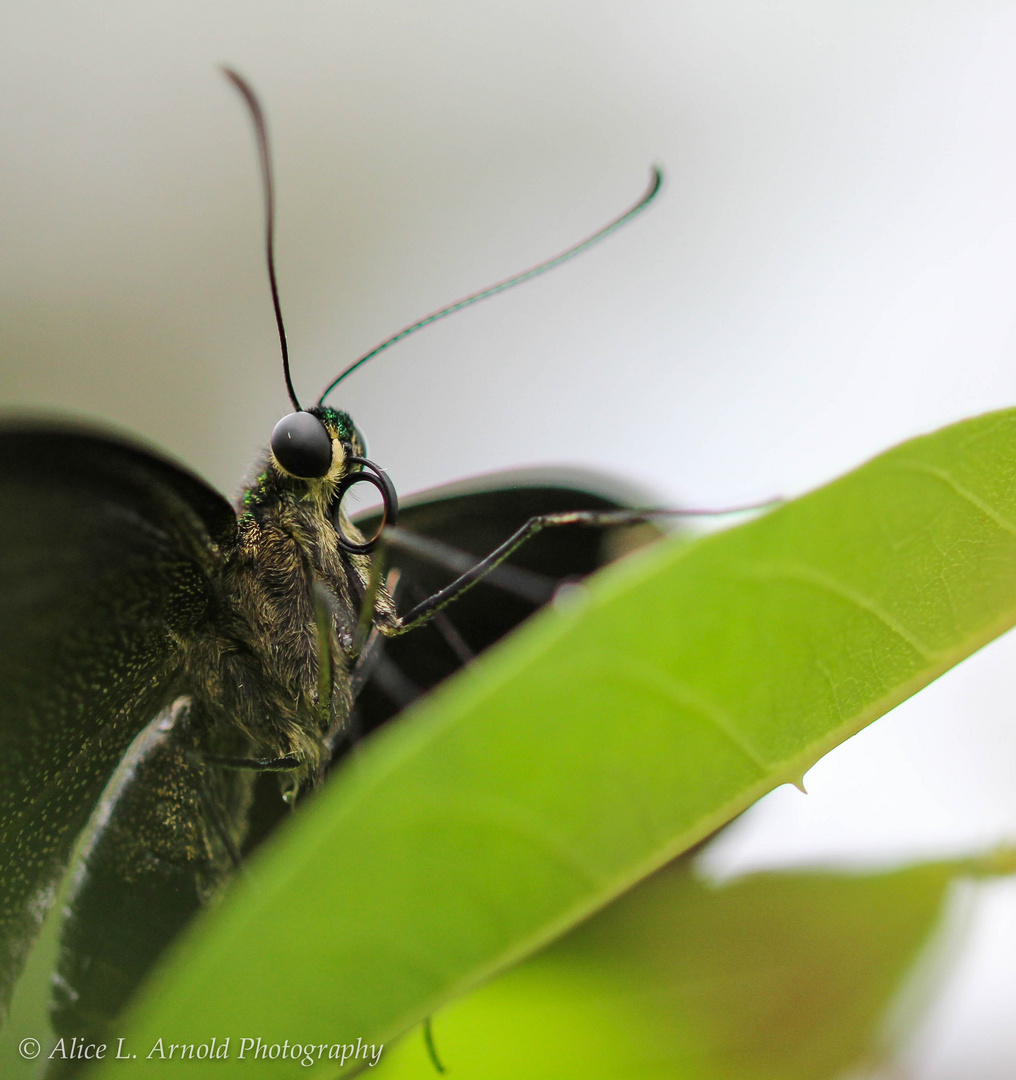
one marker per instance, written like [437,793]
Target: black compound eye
[302,446]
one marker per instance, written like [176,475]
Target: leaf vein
[513,818]
[812,576]
[690,699]
[963,492]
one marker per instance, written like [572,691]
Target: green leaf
[776,976]
[598,743]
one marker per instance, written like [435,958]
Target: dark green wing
[107,555]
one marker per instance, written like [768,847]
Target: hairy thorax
[257,669]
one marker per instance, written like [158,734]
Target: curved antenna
[656,178]
[261,133]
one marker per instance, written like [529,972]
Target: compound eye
[302,446]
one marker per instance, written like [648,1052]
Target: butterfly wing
[107,556]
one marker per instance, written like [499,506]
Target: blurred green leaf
[777,976]
[595,745]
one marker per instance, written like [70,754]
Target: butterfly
[216,659]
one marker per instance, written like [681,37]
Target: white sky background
[831,269]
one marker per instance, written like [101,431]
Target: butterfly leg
[529,585]
[373,663]
[427,609]
[278,764]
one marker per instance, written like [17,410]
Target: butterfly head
[315,444]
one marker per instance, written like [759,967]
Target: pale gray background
[832,268]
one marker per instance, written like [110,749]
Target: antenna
[655,179]
[261,133]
